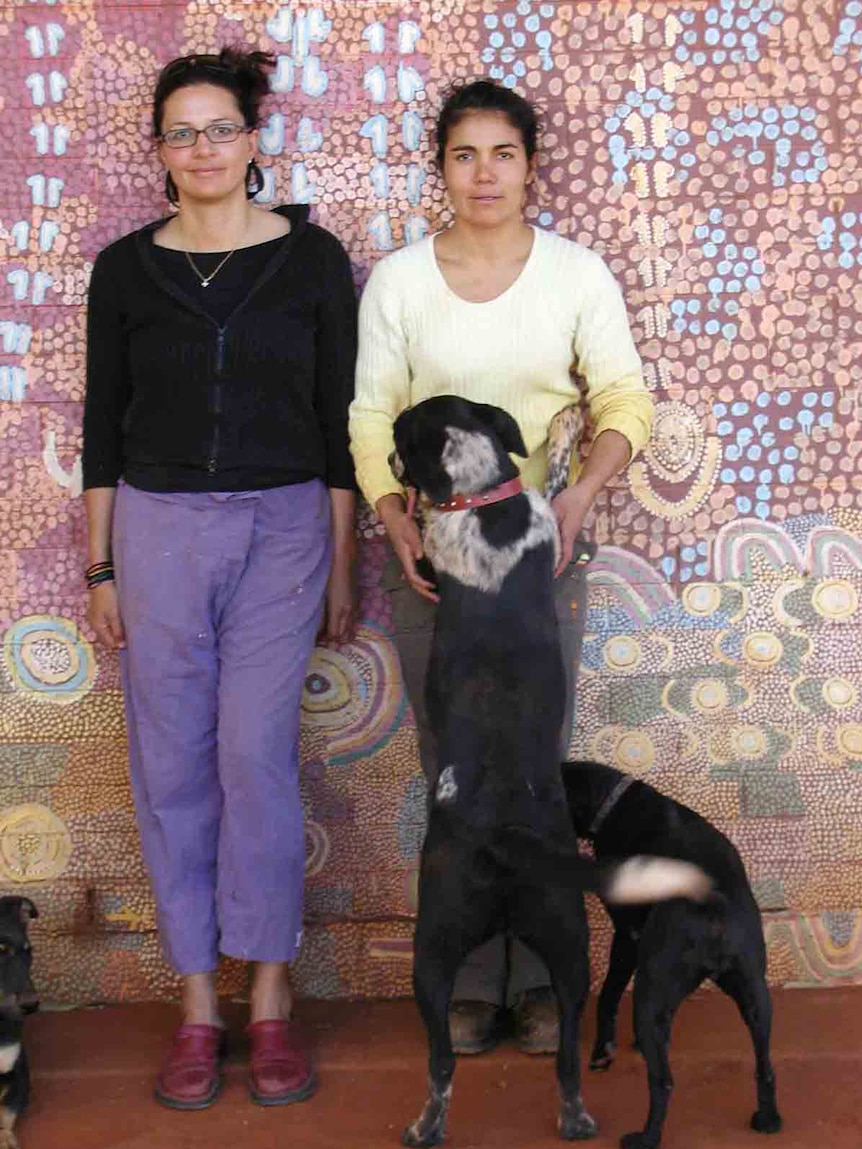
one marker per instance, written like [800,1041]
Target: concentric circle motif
[839,693]
[748,742]
[835,599]
[623,653]
[849,739]
[701,599]
[634,752]
[35,845]
[47,657]
[709,696]
[316,847]
[761,648]
[676,446]
[355,694]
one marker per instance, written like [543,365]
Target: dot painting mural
[710,151]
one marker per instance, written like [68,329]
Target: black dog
[15,986]
[672,947]
[500,852]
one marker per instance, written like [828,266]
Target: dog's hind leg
[670,968]
[433,981]
[571,981]
[621,966]
[748,989]
[453,919]
[558,934]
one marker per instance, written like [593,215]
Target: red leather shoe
[190,1076]
[280,1070]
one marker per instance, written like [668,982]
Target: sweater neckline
[296,213]
[510,290]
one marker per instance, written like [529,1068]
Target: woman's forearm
[99,502]
[609,454]
[343,504]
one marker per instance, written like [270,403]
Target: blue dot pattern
[842,233]
[515,34]
[786,135]
[736,269]
[849,33]
[733,32]
[754,460]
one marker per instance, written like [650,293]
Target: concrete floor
[93,1071]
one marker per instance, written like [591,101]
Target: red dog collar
[505,490]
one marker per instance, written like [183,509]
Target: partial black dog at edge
[673,946]
[15,960]
[500,852]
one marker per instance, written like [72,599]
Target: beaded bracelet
[98,573]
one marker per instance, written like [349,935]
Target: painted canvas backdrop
[711,152]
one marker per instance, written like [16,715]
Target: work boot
[474,1026]
[537,1023]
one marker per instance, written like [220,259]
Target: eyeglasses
[223,132]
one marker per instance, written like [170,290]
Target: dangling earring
[171,192]
[254,182]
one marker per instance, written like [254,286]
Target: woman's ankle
[199,1003]
[271,997]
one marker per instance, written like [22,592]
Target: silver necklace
[206,280]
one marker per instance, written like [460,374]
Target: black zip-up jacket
[178,402]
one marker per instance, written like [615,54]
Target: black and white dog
[500,853]
[15,960]
[671,947]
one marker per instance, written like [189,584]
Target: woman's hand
[103,615]
[406,542]
[339,624]
[570,507]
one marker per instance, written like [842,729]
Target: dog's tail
[627,881]
[651,879]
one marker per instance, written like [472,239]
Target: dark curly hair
[244,74]
[486,96]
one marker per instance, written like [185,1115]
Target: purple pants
[221,598]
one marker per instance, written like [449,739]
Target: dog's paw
[429,1128]
[418,1137]
[766,1121]
[574,1123]
[636,1141]
[602,1057]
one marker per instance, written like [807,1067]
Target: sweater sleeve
[382,385]
[606,357]
[335,362]
[108,385]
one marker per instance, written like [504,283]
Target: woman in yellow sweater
[500,312]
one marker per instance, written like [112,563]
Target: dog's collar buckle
[506,490]
[609,803]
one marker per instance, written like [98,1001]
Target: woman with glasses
[220,501]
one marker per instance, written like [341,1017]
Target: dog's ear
[22,907]
[507,430]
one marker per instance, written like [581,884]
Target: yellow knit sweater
[417,338]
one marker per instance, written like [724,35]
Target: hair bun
[251,68]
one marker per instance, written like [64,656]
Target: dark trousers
[501,968]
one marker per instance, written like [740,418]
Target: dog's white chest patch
[447,787]
[456,546]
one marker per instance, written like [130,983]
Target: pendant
[205,283]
